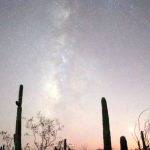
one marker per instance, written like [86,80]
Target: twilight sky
[70,53]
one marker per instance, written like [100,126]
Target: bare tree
[142,126]
[44,130]
[27,146]
[147,131]
[60,145]
[7,139]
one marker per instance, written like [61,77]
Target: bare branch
[44,130]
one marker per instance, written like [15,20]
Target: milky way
[69,54]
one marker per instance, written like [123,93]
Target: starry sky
[70,53]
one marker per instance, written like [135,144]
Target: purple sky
[70,53]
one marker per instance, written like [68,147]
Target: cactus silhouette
[3,148]
[17,135]
[123,143]
[65,144]
[143,141]
[106,127]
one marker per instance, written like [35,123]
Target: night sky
[70,53]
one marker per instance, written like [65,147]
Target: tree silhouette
[144,126]
[44,130]
[7,139]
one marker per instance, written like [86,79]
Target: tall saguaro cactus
[65,144]
[17,135]
[106,127]
[123,143]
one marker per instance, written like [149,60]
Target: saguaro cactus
[123,143]
[143,141]
[65,144]
[3,147]
[106,127]
[17,135]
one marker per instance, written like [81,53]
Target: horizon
[68,55]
